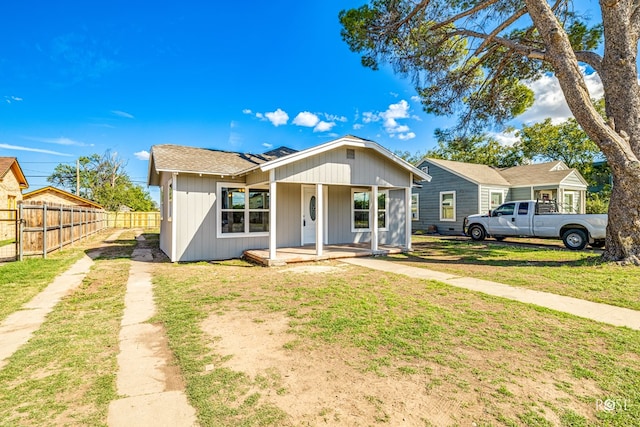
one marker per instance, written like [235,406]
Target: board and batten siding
[197,222]
[466,200]
[339,218]
[572,180]
[288,214]
[333,167]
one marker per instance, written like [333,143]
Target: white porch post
[407,209]
[272,215]
[319,219]
[374,221]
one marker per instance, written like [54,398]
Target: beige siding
[257,177]
[333,167]
[289,223]
[9,186]
[572,181]
[340,219]
[197,223]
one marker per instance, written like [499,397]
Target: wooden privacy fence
[133,219]
[46,227]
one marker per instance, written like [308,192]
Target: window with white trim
[170,202]
[415,207]
[361,207]
[161,202]
[495,199]
[382,210]
[243,210]
[447,206]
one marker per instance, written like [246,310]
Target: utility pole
[77,177]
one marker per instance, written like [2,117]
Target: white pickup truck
[530,218]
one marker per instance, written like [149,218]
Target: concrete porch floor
[308,253]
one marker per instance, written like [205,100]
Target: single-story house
[55,195]
[217,204]
[12,182]
[459,189]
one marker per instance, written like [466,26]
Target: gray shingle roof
[534,174]
[179,158]
[481,174]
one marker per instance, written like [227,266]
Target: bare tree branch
[466,13]
[499,28]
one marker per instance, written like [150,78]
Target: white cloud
[389,118]
[395,95]
[122,114]
[33,150]
[357,126]
[142,155]
[335,118]
[260,116]
[406,136]
[247,111]
[267,145]
[505,138]
[549,99]
[369,117]
[59,141]
[277,117]
[416,98]
[11,99]
[324,126]
[306,119]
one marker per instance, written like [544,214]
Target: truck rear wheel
[477,233]
[575,239]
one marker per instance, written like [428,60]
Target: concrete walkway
[605,313]
[153,397]
[18,328]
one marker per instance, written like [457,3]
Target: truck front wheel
[575,239]
[477,233]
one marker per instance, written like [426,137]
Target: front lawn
[579,274]
[338,344]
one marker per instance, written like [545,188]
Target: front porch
[308,253]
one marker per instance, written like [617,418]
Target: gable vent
[351,153]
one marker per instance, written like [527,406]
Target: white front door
[309,214]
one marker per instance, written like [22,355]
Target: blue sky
[79,77]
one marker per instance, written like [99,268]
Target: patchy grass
[579,274]
[65,375]
[478,358]
[20,281]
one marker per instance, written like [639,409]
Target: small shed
[12,182]
[55,195]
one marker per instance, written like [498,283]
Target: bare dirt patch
[327,384]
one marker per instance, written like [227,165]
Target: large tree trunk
[624,220]
[619,139]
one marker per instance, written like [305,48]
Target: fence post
[71,238]
[60,233]
[21,227]
[44,231]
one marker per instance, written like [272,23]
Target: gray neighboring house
[459,189]
[217,204]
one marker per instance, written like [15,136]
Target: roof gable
[63,194]
[538,174]
[345,141]
[11,164]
